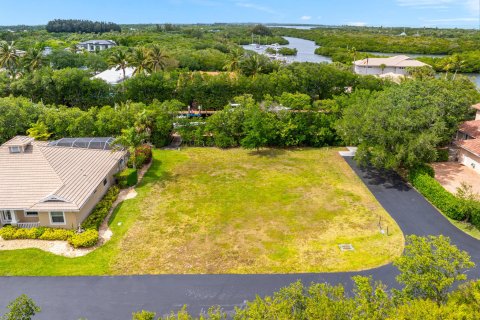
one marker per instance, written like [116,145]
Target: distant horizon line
[273,24]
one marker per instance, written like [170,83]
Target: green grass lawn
[203,210]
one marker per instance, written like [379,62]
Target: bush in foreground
[85,239]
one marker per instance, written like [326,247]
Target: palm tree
[383,66]
[119,60]
[456,63]
[157,59]
[138,59]
[9,57]
[130,139]
[253,65]
[234,58]
[33,59]
[353,52]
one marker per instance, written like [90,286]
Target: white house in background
[468,142]
[96,45]
[377,66]
[114,76]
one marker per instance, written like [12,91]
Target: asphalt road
[98,298]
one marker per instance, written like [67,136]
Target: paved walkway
[117,297]
[452,174]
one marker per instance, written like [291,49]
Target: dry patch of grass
[237,211]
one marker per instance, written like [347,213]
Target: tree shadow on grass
[267,153]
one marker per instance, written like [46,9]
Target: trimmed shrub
[422,178]
[421,169]
[85,239]
[11,233]
[56,234]
[438,196]
[8,232]
[99,213]
[127,178]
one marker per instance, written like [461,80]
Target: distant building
[47,51]
[96,45]
[113,76]
[377,66]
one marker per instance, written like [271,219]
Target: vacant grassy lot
[238,211]
[205,210]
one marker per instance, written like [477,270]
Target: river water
[306,53]
[305,50]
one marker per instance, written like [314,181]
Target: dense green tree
[61,59]
[16,115]
[430,267]
[403,125]
[259,128]
[22,308]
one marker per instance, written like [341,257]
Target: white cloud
[357,23]
[305,18]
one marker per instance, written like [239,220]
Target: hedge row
[422,178]
[77,240]
[100,212]
[127,178]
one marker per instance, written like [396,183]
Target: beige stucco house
[55,184]
[468,142]
[396,65]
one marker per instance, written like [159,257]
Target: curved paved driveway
[116,297]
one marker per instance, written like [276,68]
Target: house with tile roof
[55,184]
[468,142]
[395,65]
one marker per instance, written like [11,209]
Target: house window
[105,181]
[57,218]
[15,149]
[31,214]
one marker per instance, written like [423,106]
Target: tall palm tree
[234,58]
[157,59]
[119,60]
[253,65]
[9,57]
[138,59]
[457,64]
[130,139]
[33,59]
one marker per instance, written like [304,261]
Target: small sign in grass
[346,247]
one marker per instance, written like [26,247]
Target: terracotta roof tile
[471,145]
[471,128]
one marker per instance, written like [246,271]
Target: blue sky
[442,13]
